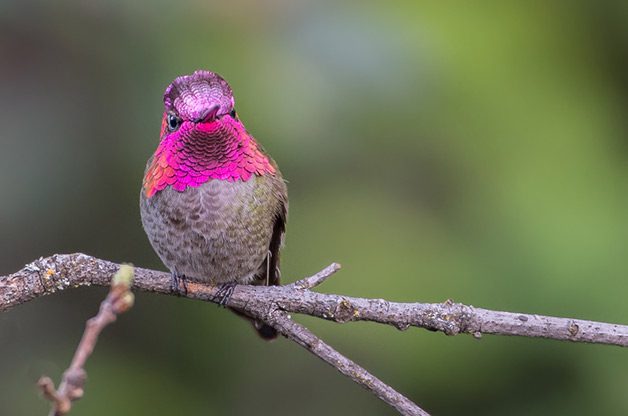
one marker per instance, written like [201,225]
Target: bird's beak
[208,114]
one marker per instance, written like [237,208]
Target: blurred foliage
[437,150]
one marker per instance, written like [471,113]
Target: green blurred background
[437,150]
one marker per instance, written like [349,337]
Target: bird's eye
[173,122]
[233,113]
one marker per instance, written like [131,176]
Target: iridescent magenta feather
[202,150]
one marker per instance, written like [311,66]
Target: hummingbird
[213,203]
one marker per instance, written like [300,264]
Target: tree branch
[119,300]
[271,304]
[302,336]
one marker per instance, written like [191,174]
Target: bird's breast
[219,231]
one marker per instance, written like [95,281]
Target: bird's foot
[177,284]
[224,293]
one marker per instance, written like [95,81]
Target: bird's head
[201,138]
[201,97]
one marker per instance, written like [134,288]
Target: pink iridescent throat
[198,152]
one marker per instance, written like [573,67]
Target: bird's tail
[265,331]
[269,276]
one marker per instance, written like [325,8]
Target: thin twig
[316,279]
[119,300]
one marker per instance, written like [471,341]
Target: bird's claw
[178,285]
[224,293]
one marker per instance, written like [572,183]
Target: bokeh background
[437,150]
